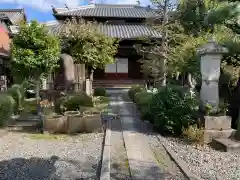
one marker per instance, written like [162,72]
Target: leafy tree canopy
[86,45]
[226,13]
[34,51]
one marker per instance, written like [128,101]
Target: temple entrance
[117,70]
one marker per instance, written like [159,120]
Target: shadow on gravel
[53,168]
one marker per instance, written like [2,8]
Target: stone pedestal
[217,127]
[44,83]
[88,87]
[211,55]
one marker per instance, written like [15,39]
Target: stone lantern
[211,55]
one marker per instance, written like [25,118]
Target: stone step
[226,145]
[25,123]
[218,134]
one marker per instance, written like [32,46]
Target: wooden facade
[126,22]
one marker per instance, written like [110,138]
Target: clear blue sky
[41,9]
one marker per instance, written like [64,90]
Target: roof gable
[107,10]
[14,15]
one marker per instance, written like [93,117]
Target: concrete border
[180,163]
[106,155]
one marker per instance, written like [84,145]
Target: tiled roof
[104,10]
[126,31]
[14,15]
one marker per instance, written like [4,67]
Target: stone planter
[75,122]
[92,123]
[56,124]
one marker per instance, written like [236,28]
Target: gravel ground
[205,162]
[23,157]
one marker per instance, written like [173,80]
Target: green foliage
[192,14]
[73,102]
[18,94]
[172,109]
[6,108]
[133,91]
[143,100]
[227,13]
[100,92]
[29,106]
[59,105]
[194,133]
[86,45]
[34,51]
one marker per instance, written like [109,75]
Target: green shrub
[133,91]
[194,133]
[100,92]
[30,106]
[17,92]
[59,105]
[6,108]
[172,110]
[73,102]
[143,100]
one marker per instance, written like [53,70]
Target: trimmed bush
[73,102]
[59,107]
[100,92]
[133,91]
[143,100]
[17,92]
[6,108]
[172,110]
[30,106]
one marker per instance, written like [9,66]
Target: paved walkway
[142,161]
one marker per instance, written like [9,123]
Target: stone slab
[227,145]
[216,134]
[217,122]
[106,163]
[141,160]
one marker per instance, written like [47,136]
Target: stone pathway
[147,159]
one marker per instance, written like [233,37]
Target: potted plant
[217,119]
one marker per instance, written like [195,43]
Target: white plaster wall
[111,68]
[122,65]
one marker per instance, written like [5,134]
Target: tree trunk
[91,74]
[192,83]
[164,44]
[38,96]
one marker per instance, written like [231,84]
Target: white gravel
[23,157]
[205,162]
